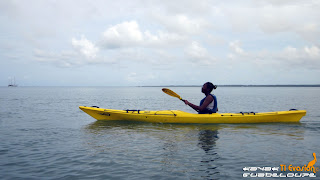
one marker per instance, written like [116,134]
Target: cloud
[83,52]
[84,46]
[164,39]
[128,34]
[63,59]
[235,47]
[308,57]
[121,43]
[271,17]
[124,34]
[181,23]
[198,54]
[236,50]
[190,7]
[313,52]
[288,57]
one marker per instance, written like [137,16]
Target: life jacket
[211,108]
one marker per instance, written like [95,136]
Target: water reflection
[189,149]
[207,142]
[291,130]
[186,150]
[208,134]
[207,139]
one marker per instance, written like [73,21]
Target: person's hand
[186,102]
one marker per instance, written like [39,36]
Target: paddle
[171,93]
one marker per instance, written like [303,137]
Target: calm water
[44,135]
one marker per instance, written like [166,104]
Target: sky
[159,42]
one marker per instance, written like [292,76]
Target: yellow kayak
[176,116]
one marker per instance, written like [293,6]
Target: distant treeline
[289,85]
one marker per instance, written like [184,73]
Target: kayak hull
[176,116]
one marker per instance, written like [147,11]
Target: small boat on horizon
[12,82]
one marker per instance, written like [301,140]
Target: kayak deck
[176,116]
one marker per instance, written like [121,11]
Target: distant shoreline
[236,85]
[289,85]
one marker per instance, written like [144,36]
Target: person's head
[208,87]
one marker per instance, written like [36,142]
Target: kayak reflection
[205,131]
[144,127]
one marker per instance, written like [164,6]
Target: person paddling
[209,104]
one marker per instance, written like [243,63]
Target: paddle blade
[171,93]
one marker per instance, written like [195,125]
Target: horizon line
[221,85]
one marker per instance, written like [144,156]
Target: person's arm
[205,104]
[195,107]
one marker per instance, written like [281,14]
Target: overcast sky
[159,42]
